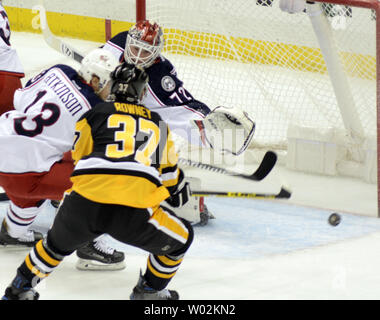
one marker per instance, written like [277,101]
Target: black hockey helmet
[129,83]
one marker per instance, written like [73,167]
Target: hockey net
[308,79]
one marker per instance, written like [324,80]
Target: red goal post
[201,41]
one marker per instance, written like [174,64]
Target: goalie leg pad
[190,211]
[194,210]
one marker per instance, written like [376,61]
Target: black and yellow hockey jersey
[124,155]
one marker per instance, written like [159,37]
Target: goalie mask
[144,43]
[129,83]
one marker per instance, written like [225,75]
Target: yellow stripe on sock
[169,262]
[159,274]
[41,251]
[33,269]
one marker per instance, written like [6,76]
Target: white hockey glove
[181,194]
[229,129]
[292,6]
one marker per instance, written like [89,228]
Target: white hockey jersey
[9,60]
[166,94]
[41,129]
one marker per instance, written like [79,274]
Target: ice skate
[143,292]
[20,289]
[97,255]
[29,239]
[12,293]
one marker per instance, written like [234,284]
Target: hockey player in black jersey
[191,120]
[125,166]
[166,94]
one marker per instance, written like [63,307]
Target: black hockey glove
[180,195]
[124,72]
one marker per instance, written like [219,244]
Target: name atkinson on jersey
[64,93]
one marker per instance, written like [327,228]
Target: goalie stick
[53,41]
[265,167]
[283,194]
[74,54]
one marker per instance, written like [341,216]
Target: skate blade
[93,265]
[26,245]
[14,247]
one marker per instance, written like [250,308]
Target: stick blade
[266,166]
[284,194]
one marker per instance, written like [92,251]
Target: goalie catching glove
[180,193]
[229,129]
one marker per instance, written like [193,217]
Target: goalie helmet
[99,63]
[144,43]
[129,83]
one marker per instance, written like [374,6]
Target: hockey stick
[53,41]
[283,194]
[265,167]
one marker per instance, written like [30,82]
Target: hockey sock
[19,219]
[39,263]
[160,270]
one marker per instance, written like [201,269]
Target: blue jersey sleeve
[120,39]
[169,89]
[116,45]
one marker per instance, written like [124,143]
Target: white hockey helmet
[144,43]
[99,63]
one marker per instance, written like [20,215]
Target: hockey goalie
[224,130]
[192,122]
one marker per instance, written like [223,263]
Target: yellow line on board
[200,44]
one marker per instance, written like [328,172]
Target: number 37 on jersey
[124,132]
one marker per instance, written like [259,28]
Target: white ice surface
[252,250]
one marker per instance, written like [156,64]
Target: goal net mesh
[250,54]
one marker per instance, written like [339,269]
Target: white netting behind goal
[250,54]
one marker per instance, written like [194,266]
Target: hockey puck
[334,219]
